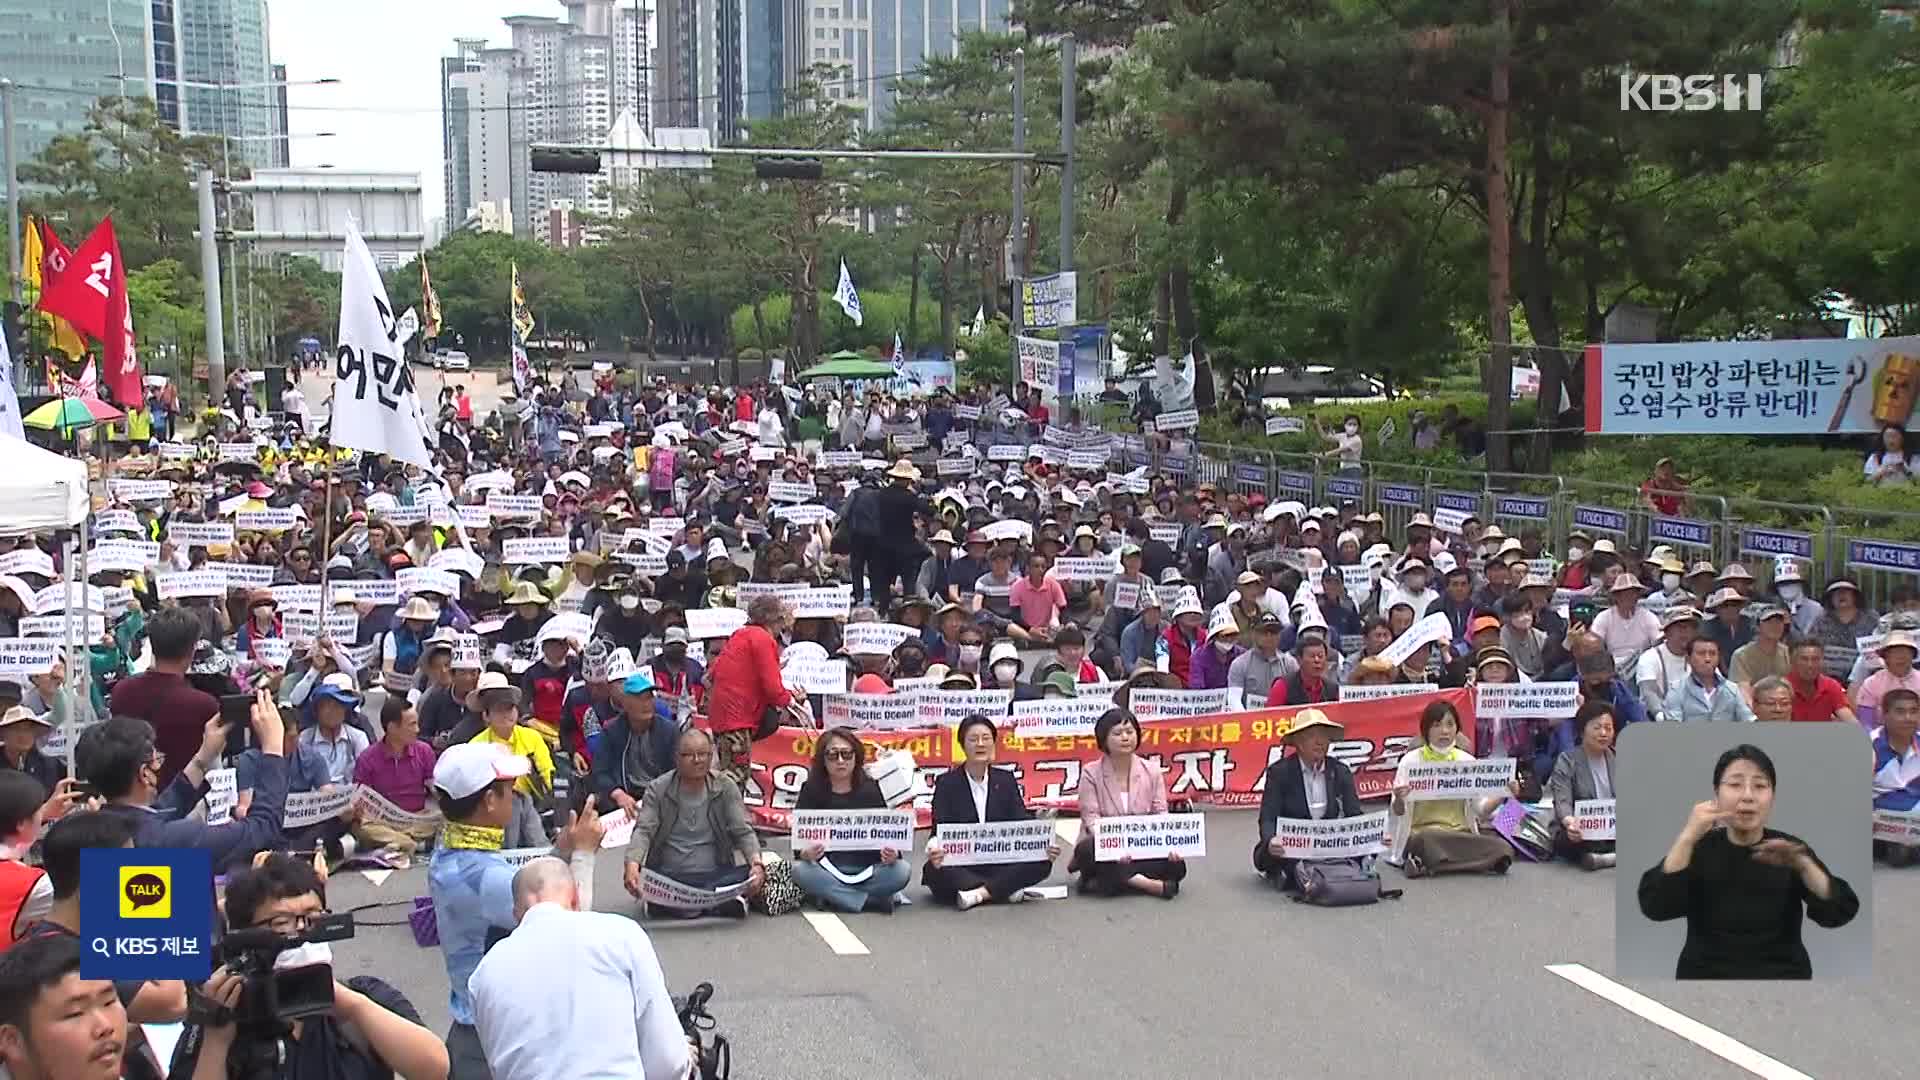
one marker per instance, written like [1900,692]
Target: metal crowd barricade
[1606,512]
[1345,483]
[1523,502]
[1695,536]
[1456,495]
[1878,566]
[1760,532]
[1294,476]
[1398,492]
[1212,464]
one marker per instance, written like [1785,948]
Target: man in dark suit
[1306,784]
[975,793]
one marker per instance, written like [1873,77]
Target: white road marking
[835,933]
[1713,1042]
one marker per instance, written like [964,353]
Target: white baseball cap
[466,769]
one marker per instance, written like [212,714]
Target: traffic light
[559,159]
[788,168]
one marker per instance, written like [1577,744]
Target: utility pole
[1017,242]
[14,276]
[1068,103]
[210,287]
[1498,376]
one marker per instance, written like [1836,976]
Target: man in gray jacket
[691,824]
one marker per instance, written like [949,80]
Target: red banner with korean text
[1218,760]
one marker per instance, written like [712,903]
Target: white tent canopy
[39,489]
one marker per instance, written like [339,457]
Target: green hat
[1060,680]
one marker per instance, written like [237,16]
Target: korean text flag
[847,298]
[375,408]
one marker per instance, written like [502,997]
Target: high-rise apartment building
[282,151]
[64,54]
[718,64]
[454,118]
[228,73]
[165,25]
[865,43]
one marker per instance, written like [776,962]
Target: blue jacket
[609,757]
[165,824]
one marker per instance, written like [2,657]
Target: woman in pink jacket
[1120,784]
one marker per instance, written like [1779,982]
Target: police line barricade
[1218,759]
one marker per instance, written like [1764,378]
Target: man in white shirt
[1664,666]
[574,993]
[1626,627]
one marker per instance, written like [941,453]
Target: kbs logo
[1689,93]
[146,892]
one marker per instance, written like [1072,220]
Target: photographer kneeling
[370,1030]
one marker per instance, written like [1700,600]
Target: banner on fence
[1802,386]
[1216,759]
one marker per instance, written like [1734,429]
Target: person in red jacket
[1185,634]
[744,682]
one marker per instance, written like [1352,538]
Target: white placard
[658,888]
[129,556]
[269,519]
[200,533]
[645,563]
[246,575]
[1390,690]
[313,807]
[517,507]
[1358,581]
[1284,425]
[1150,836]
[1008,530]
[1448,520]
[839,459]
[1087,460]
[1897,827]
[124,490]
[1006,452]
[273,652]
[815,676]
[535,549]
[1481,779]
[1072,717]
[884,712]
[379,808]
[223,794]
[910,441]
[191,583]
[405,516]
[474,517]
[667,526]
[874,638]
[966,412]
[731,448]
[1594,818]
[1166,533]
[804,514]
[77,598]
[1150,703]
[1085,568]
[106,521]
[829,602]
[995,842]
[1540,700]
[300,625]
[236,451]
[1433,628]
[853,830]
[947,708]
[175,451]
[782,491]
[958,466]
[416,579]
[1126,595]
[297,597]
[380,592]
[706,623]
[28,656]
[341,626]
[87,626]
[1332,838]
[231,505]
[1177,420]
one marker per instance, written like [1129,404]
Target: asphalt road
[1229,979]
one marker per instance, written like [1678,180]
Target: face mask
[1223,646]
[1576,553]
[300,956]
[1790,593]
[1669,582]
[970,654]
[629,603]
[1005,672]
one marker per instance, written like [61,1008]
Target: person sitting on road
[1444,835]
[1305,785]
[498,703]
[1120,784]
[637,750]
[1896,769]
[1817,696]
[851,881]
[1705,694]
[972,793]
[400,768]
[1899,673]
[1584,772]
[691,824]
[1313,683]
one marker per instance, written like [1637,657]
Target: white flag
[9,401]
[848,299]
[899,355]
[980,320]
[375,407]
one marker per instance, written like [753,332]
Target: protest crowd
[677,620]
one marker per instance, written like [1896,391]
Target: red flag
[54,254]
[91,293]
[79,294]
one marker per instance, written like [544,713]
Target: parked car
[452,360]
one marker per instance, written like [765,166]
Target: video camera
[274,997]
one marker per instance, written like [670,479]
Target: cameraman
[372,1030]
[118,757]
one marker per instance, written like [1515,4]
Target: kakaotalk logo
[1689,93]
[146,892]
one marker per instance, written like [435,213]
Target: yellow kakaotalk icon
[1895,389]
